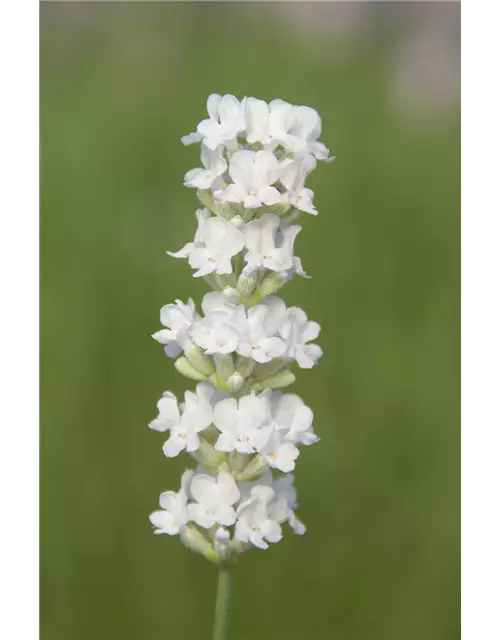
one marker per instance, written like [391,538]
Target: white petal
[213,103]
[297,525]
[164,522]
[173,446]
[226,416]
[271,530]
[198,514]
[225,442]
[226,515]
[241,168]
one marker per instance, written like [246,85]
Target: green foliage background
[120,84]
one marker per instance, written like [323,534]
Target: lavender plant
[242,431]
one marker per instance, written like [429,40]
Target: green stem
[222,603]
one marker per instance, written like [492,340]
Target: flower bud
[199,360]
[205,197]
[245,366]
[271,284]
[246,284]
[231,294]
[224,366]
[234,382]
[280,208]
[192,537]
[237,221]
[183,366]
[209,457]
[263,371]
[253,469]
[276,381]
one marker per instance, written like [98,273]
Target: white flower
[214,499]
[302,135]
[278,453]
[168,413]
[226,121]
[253,173]
[282,506]
[293,177]
[219,242]
[216,333]
[268,124]
[202,215]
[226,300]
[206,178]
[244,423]
[173,515]
[257,340]
[297,268]
[184,427]
[297,330]
[292,416]
[178,318]
[277,313]
[254,524]
[267,247]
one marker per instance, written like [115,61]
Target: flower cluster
[243,432]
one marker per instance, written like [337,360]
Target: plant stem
[221,622]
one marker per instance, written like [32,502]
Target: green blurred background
[120,84]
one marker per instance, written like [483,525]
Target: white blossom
[284,502]
[219,241]
[303,134]
[293,177]
[243,424]
[254,524]
[214,497]
[226,120]
[292,416]
[217,333]
[178,318]
[257,340]
[267,247]
[210,176]
[268,124]
[256,158]
[185,425]
[252,173]
[202,215]
[279,453]
[173,515]
[298,331]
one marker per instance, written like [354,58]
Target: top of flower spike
[276,124]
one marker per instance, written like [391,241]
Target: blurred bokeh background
[120,84]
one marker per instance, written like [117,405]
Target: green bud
[199,360]
[263,371]
[224,366]
[183,366]
[231,294]
[205,197]
[237,221]
[245,366]
[276,381]
[271,284]
[225,281]
[291,216]
[235,382]
[238,461]
[253,469]
[278,209]
[209,457]
[246,284]
[195,540]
